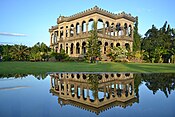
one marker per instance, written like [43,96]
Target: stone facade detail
[71,33]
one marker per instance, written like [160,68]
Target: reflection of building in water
[94,92]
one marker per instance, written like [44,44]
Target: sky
[28,21]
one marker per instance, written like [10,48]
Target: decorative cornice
[98,10]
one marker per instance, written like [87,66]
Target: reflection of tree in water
[38,76]
[13,75]
[93,79]
[160,81]
[137,83]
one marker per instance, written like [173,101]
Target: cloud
[12,34]
[4,43]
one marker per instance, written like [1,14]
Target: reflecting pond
[87,94]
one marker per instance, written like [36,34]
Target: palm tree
[19,52]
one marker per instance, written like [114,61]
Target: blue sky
[27,21]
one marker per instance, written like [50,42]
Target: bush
[62,56]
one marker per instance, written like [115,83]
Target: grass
[44,67]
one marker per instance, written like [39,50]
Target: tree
[6,56]
[40,51]
[137,37]
[19,52]
[118,54]
[158,44]
[93,47]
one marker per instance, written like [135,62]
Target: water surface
[87,94]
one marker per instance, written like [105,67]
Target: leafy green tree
[158,44]
[93,47]
[117,54]
[137,37]
[40,51]
[6,56]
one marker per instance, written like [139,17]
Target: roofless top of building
[97,10]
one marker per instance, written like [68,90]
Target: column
[74,49]
[102,48]
[123,92]
[65,88]
[81,91]
[68,35]
[87,28]
[69,89]
[64,32]
[80,48]
[103,28]
[80,28]
[115,91]
[50,38]
[122,29]
[75,31]
[132,33]
[75,90]
[68,49]
[59,85]
[104,88]
[109,30]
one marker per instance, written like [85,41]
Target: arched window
[119,29]
[127,46]
[90,24]
[72,30]
[84,47]
[83,26]
[77,28]
[107,29]
[130,31]
[112,30]
[100,26]
[77,48]
[72,48]
[112,45]
[118,44]
[105,47]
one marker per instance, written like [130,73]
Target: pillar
[65,88]
[68,49]
[103,28]
[80,28]
[59,85]
[102,48]
[74,49]
[109,30]
[104,88]
[87,28]
[115,91]
[50,38]
[81,91]
[80,48]
[68,35]
[74,31]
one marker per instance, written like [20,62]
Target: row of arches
[80,48]
[107,91]
[103,27]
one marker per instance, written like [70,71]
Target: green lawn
[44,67]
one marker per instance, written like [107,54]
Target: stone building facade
[71,33]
